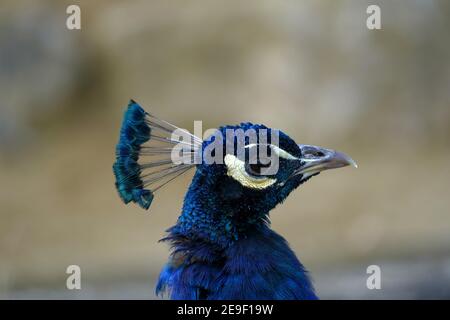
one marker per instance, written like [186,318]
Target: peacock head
[248,169]
[242,171]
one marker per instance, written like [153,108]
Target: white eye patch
[236,170]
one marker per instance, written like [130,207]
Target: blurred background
[310,68]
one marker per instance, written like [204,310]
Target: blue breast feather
[261,266]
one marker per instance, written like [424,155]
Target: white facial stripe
[282,153]
[278,151]
[236,170]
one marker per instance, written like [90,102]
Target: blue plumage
[133,134]
[222,244]
[258,266]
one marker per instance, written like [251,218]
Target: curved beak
[317,159]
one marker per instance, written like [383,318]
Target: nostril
[314,154]
[319,154]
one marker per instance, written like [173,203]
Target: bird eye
[254,169]
[248,175]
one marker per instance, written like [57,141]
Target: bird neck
[209,214]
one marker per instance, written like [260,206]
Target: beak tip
[346,159]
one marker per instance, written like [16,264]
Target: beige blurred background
[310,68]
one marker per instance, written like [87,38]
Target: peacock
[222,245]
